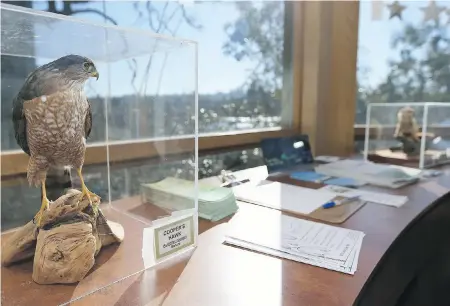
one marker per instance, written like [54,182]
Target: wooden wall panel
[330,38]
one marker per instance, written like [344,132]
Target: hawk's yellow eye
[86,65]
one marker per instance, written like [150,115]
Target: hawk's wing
[88,122]
[35,86]
[20,124]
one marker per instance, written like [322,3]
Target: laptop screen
[285,152]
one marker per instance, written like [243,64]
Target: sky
[216,71]
[375,36]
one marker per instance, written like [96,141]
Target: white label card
[173,237]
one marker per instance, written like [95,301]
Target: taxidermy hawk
[52,119]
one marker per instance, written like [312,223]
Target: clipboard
[335,215]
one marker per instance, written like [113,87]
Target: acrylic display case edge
[17,285]
[170,42]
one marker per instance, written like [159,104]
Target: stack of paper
[214,203]
[391,176]
[300,240]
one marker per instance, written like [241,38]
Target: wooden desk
[238,277]
[220,275]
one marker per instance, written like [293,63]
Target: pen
[336,203]
[234,183]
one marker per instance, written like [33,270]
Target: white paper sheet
[284,197]
[300,240]
[368,196]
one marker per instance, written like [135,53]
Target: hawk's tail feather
[58,180]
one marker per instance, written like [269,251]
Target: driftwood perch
[64,249]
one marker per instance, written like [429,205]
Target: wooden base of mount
[72,234]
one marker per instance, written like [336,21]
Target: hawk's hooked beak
[95,74]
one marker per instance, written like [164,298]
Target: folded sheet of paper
[369,196]
[300,240]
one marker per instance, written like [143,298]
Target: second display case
[414,134]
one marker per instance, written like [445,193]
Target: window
[241,63]
[403,56]
[245,93]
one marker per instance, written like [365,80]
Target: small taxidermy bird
[52,119]
[406,124]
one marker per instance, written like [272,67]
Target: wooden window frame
[15,162]
[328,75]
[330,60]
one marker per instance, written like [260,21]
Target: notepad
[284,197]
[172,194]
[300,240]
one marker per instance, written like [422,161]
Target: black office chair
[415,270]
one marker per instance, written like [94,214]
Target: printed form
[300,240]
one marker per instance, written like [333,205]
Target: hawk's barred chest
[55,126]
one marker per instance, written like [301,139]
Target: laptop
[287,154]
[293,156]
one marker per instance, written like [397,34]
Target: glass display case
[415,134]
[141,132]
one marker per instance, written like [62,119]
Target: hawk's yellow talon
[44,207]
[90,195]
[85,192]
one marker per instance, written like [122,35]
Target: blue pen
[343,201]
